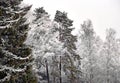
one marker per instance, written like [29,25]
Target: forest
[44,50]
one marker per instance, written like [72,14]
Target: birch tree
[111,57]
[88,47]
[43,38]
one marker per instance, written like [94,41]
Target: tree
[70,57]
[43,37]
[15,56]
[110,53]
[88,46]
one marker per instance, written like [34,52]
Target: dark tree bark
[60,71]
[47,71]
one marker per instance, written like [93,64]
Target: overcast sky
[103,13]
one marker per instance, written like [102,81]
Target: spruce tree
[15,56]
[70,57]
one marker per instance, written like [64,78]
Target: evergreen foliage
[15,56]
[46,51]
[70,58]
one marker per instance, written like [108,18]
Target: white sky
[103,13]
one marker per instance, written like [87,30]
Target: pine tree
[15,56]
[70,57]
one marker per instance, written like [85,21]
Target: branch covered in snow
[15,56]
[5,78]
[13,69]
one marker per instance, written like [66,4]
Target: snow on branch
[11,21]
[13,69]
[6,26]
[5,78]
[15,56]
[11,10]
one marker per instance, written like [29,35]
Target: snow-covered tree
[43,37]
[70,59]
[88,48]
[110,60]
[15,56]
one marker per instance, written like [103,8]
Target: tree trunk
[47,71]
[60,70]
[54,79]
[91,75]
